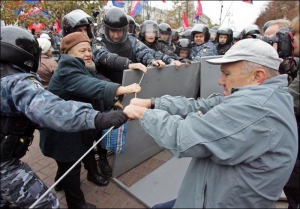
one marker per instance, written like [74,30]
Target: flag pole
[143,11]
[221,13]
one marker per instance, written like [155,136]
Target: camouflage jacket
[203,50]
[222,49]
[101,55]
[23,94]
[163,47]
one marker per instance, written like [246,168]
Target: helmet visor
[115,35]
[150,30]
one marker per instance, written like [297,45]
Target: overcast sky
[241,14]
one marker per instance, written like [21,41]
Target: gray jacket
[243,146]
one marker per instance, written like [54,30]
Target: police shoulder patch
[36,83]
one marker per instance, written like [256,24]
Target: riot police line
[27,63]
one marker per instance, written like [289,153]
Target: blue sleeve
[100,51]
[208,49]
[143,54]
[161,56]
[48,110]
[182,106]
[219,134]
[102,56]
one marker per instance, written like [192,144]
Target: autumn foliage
[55,9]
[278,10]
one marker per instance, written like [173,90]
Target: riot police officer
[131,24]
[165,33]
[187,34]
[25,103]
[150,34]
[213,34]
[184,48]
[175,37]
[224,40]
[137,29]
[77,21]
[236,36]
[249,31]
[202,45]
[118,50]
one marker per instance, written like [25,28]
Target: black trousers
[292,187]
[90,162]
[71,183]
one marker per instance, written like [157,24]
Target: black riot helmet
[236,36]
[213,34]
[266,25]
[19,47]
[115,19]
[165,28]
[148,25]
[75,19]
[214,29]
[175,36]
[250,30]
[183,43]
[225,31]
[131,23]
[201,28]
[187,34]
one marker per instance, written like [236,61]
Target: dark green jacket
[72,81]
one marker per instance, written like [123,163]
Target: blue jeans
[165,205]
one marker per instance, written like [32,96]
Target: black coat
[72,81]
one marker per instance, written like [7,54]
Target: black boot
[93,175]
[97,178]
[103,162]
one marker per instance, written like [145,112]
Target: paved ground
[110,196]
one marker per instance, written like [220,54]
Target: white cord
[78,161]
[139,83]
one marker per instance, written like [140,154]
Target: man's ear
[259,76]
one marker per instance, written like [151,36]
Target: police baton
[78,161]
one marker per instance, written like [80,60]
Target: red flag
[136,8]
[57,26]
[199,10]
[248,1]
[36,26]
[185,22]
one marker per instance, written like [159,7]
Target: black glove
[109,119]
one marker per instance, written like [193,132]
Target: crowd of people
[243,143]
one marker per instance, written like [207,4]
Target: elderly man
[243,143]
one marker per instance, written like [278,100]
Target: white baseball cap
[252,50]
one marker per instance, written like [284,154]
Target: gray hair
[282,23]
[251,66]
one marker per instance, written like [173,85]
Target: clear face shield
[150,31]
[115,35]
